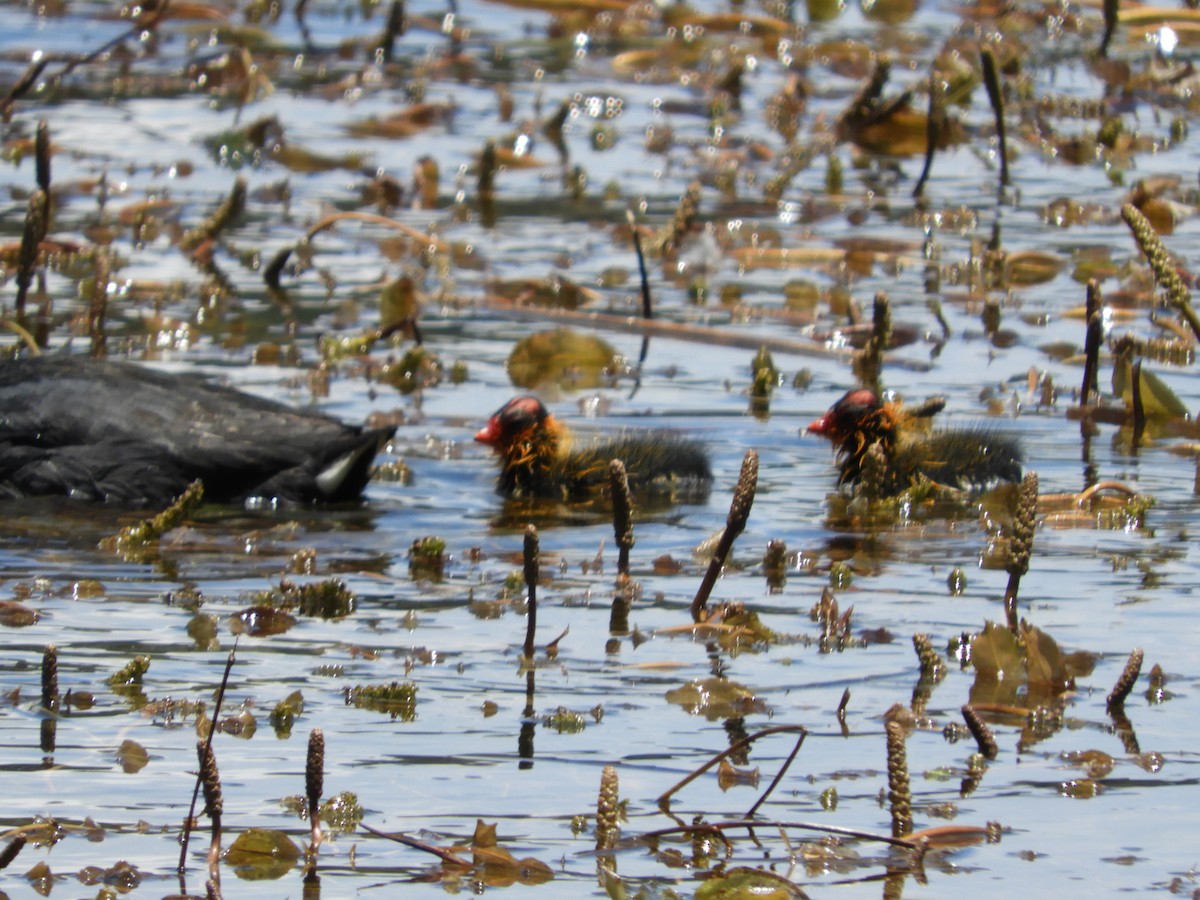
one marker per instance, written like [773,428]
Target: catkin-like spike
[486,182]
[531,579]
[11,849]
[991,80]
[314,769]
[210,781]
[622,503]
[1020,546]
[984,738]
[935,123]
[1129,677]
[42,156]
[1094,337]
[31,239]
[868,362]
[608,810]
[677,229]
[1166,276]
[899,792]
[224,215]
[50,678]
[1112,9]
[735,524]
[933,667]
[873,479]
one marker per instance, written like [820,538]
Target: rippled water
[142,123]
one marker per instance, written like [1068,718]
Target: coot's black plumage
[127,434]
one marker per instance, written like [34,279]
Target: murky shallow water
[465,756]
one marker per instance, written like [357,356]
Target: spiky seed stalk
[210,781]
[671,238]
[98,302]
[874,475]
[1112,9]
[486,182]
[735,524]
[622,504]
[991,80]
[933,667]
[50,678]
[608,810]
[899,792]
[42,156]
[934,124]
[224,216]
[214,802]
[1092,341]
[1020,546]
[11,849]
[314,781]
[1166,276]
[31,239]
[1129,677]
[397,24]
[531,578]
[984,739]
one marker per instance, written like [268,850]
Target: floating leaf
[1044,664]
[562,357]
[1032,267]
[743,883]
[996,655]
[716,698]
[262,853]
[16,615]
[261,621]
[132,756]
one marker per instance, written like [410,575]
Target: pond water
[149,136]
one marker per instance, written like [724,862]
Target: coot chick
[129,435]
[537,458]
[961,458]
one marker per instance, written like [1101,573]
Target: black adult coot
[964,457]
[127,434]
[538,458]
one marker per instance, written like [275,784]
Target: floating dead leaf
[1096,763]
[403,124]
[731,23]
[263,853]
[132,756]
[744,883]
[952,835]
[1031,267]
[716,698]
[554,292]
[787,257]
[298,159]
[498,867]
[16,615]
[996,654]
[1045,667]
[573,7]
[122,876]
[261,621]
[562,357]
